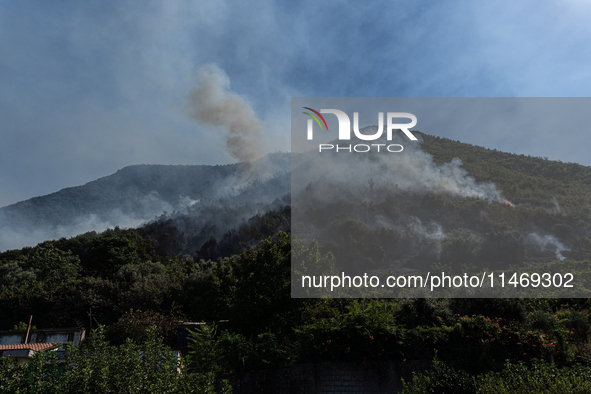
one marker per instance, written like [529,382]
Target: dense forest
[470,338]
[203,266]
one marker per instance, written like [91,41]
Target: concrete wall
[329,378]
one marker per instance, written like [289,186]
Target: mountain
[221,253]
[440,202]
[137,194]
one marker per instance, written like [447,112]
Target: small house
[16,345]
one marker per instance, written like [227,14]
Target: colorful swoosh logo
[315,118]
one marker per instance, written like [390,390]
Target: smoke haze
[412,170]
[140,194]
[547,242]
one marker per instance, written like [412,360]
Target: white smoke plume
[432,231]
[11,238]
[211,103]
[412,170]
[557,207]
[25,233]
[547,241]
[186,202]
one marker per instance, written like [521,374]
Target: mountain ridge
[141,193]
[133,195]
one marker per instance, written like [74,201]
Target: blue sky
[89,87]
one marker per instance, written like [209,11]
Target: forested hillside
[534,181]
[230,259]
[446,203]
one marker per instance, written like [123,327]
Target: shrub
[366,332]
[540,378]
[479,344]
[441,379]
[515,378]
[229,352]
[507,308]
[98,367]
[425,312]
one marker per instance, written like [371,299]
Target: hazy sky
[88,87]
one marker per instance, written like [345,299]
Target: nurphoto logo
[345,130]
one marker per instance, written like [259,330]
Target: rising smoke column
[212,103]
[557,207]
[548,241]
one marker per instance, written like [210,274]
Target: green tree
[53,265]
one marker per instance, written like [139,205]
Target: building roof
[28,346]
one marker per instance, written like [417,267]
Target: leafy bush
[479,344]
[135,325]
[543,321]
[515,378]
[100,368]
[425,312]
[579,323]
[230,352]
[366,332]
[506,308]
[540,378]
[441,379]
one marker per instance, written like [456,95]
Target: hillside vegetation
[184,267]
[525,180]
[462,208]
